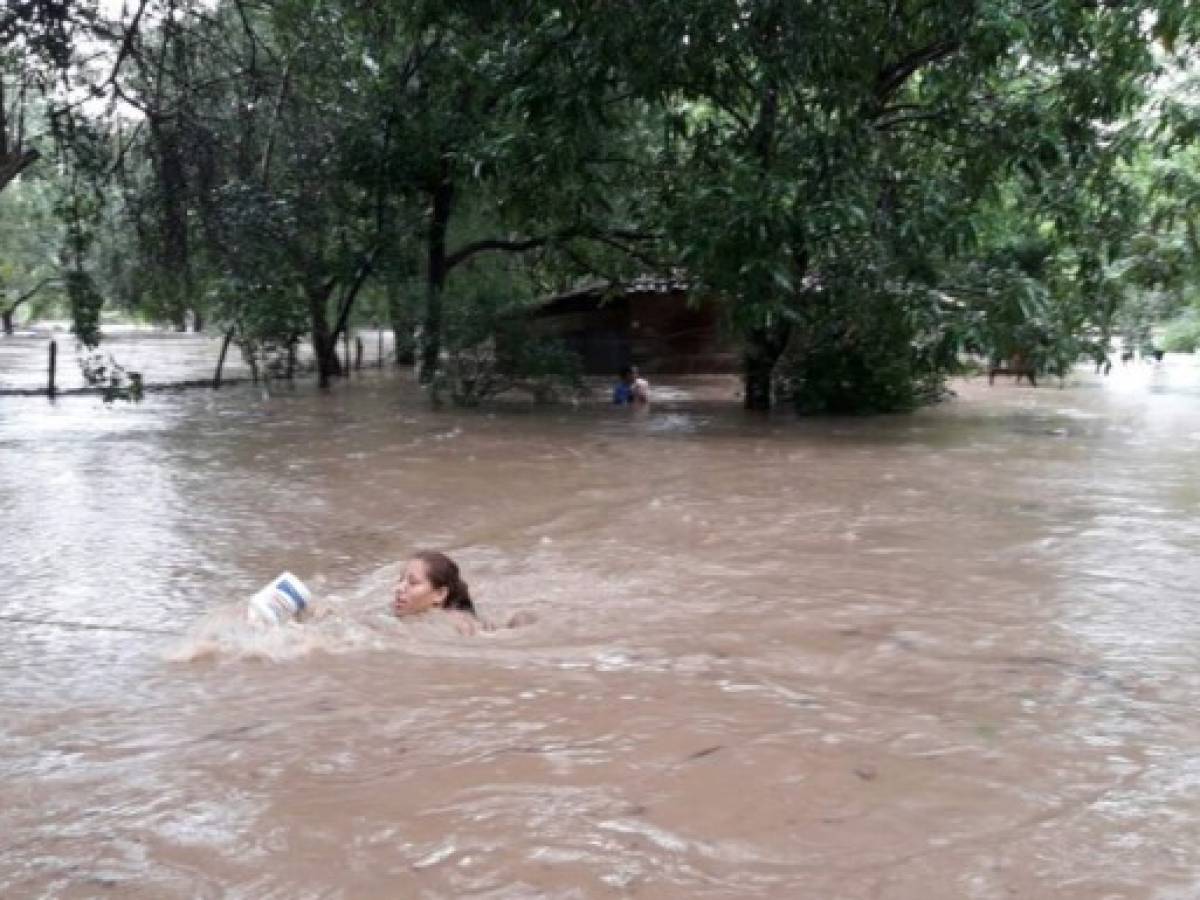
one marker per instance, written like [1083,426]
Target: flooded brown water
[945,655]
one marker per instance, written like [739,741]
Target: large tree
[818,150]
[861,185]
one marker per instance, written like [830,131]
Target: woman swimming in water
[431,580]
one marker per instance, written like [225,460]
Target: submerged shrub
[1182,334]
[490,351]
[863,357]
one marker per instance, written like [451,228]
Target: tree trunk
[757,375]
[7,317]
[763,346]
[172,186]
[401,319]
[431,337]
[323,339]
[761,352]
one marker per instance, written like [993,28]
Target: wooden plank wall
[656,331]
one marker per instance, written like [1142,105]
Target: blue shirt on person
[622,393]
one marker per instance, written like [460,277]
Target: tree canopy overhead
[866,187]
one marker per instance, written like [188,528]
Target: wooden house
[647,322]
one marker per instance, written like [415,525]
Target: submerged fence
[130,364]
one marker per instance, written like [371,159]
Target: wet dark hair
[626,372]
[442,572]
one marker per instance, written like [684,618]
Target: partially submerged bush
[269,358]
[862,357]
[491,351]
[102,371]
[1182,335]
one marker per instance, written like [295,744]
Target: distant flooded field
[162,357]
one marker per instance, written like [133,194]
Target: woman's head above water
[431,580]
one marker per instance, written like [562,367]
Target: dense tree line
[867,187]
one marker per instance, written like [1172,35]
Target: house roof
[640,284]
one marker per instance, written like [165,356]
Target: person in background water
[631,389]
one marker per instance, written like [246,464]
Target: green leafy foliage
[491,350]
[85,302]
[867,189]
[29,237]
[1182,334]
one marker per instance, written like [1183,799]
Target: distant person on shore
[631,389]
[431,581]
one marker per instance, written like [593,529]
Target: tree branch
[893,77]
[347,302]
[519,245]
[31,293]
[912,118]
[127,38]
[14,163]
[508,246]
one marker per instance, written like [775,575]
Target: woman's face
[414,592]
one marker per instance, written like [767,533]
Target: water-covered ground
[943,655]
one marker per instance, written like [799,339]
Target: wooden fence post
[53,365]
[216,382]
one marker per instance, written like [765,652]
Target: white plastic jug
[280,601]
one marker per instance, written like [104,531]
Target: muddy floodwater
[954,654]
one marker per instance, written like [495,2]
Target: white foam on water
[225,632]
[356,620]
